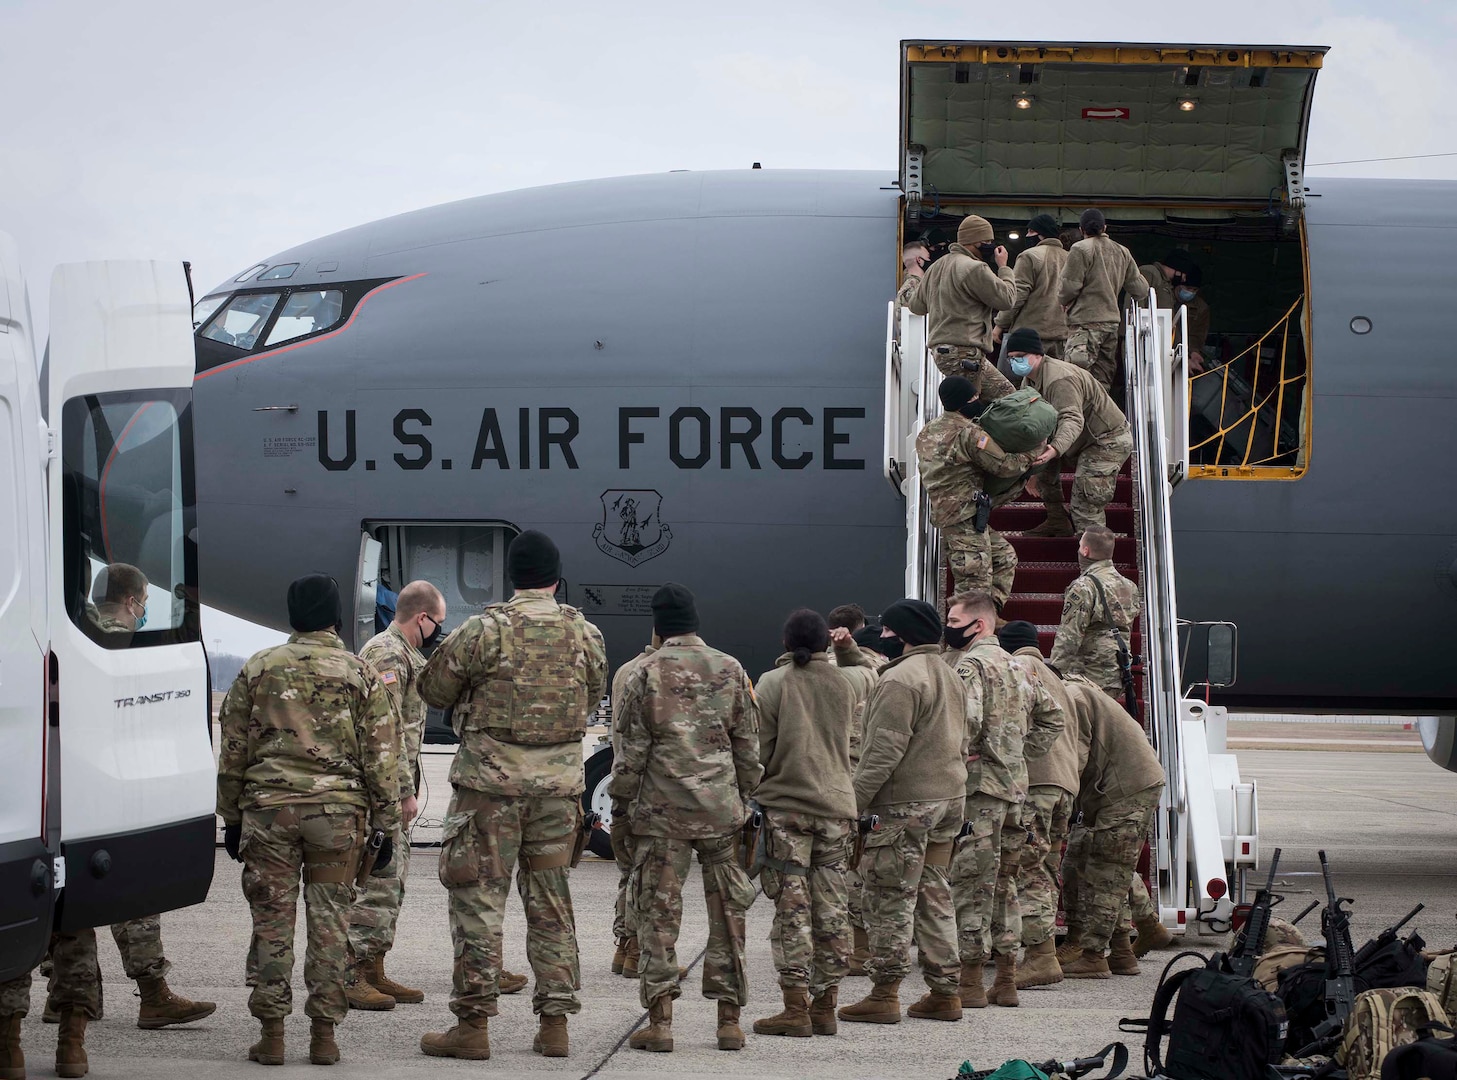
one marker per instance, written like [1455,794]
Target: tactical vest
[539,694]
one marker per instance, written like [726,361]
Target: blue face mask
[143,620]
[1185,295]
[1021,366]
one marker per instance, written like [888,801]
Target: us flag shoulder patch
[981,444]
[389,677]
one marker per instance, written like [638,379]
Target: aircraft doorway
[465,560]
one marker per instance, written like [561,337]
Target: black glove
[232,837]
[386,853]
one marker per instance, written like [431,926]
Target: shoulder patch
[981,444]
[388,677]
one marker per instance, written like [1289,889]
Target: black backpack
[1428,1058]
[1302,987]
[1225,1026]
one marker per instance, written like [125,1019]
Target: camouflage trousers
[622,852]
[855,888]
[486,838]
[376,910]
[1046,818]
[319,842]
[810,939]
[1137,905]
[988,919]
[656,894]
[908,895]
[980,562]
[75,976]
[1094,348]
[1106,862]
[1095,479]
[990,383]
[140,944]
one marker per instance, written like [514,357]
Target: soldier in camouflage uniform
[1098,610]
[958,461]
[308,766]
[77,995]
[689,762]
[1089,428]
[1096,270]
[625,959]
[395,655]
[911,776]
[915,257]
[1010,716]
[806,709]
[521,678]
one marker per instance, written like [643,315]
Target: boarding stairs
[1205,839]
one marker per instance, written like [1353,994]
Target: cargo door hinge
[914,186]
[1294,179]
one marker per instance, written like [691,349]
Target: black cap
[1045,226]
[1024,339]
[913,621]
[675,612]
[1093,221]
[1177,259]
[956,391]
[313,604]
[1018,635]
[533,561]
[868,637]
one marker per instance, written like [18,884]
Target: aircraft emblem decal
[632,529]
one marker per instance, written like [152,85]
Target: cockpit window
[279,272]
[246,274]
[240,323]
[203,309]
[306,312]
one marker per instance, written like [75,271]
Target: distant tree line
[224,668]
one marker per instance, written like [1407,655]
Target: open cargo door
[26,852]
[138,786]
[366,589]
[1103,124]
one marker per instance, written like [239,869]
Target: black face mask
[957,637]
[892,647]
[427,644]
[972,410]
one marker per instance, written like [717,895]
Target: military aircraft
[683,376]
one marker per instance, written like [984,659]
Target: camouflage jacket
[690,742]
[308,722]
[398,665]
[1085,412]
[960,294]
[1010,716]
[1036,278]
[619,681]
[1096,270]
[1087,639]
[469,657]
[956,456]
[907,290]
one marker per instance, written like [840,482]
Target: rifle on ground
[1340,968]
[1385,938]
[1251,941]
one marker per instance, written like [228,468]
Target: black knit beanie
[1024,339]
[1018,635]
[913,621]
[674,611]
[533,561]
[313,604]
[955,391]
[1045,226]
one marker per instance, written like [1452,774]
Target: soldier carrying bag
[1019,421]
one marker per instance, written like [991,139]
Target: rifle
[1251,941]
[1076,1068]
[1383,939]
[1340,966]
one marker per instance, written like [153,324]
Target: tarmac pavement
[1388,822]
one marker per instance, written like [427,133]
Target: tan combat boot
[861,953]
[1121,960]
[323,1050]
[657,1037]
[12,1060]
[973,994]
[620,956]
[373,971]
[269,1049]
[508,983]
[162,1008]
[1089,965]
[730,1035]
[551,1036]
[1004,986]
[1039,967]
[1071,947]
[936,1005]
[630,957]
[468,1040]
[822,1012]
[793,1020]
[881,1006]
[1152,935]
[71,1043]
[363,994]
[1057,523]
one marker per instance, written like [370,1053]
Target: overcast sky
[221,133]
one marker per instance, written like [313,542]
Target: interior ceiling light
[1013,236]
[1188,104]
[1023,101]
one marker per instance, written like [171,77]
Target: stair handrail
[918,404]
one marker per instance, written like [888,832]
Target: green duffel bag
[1019,421]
